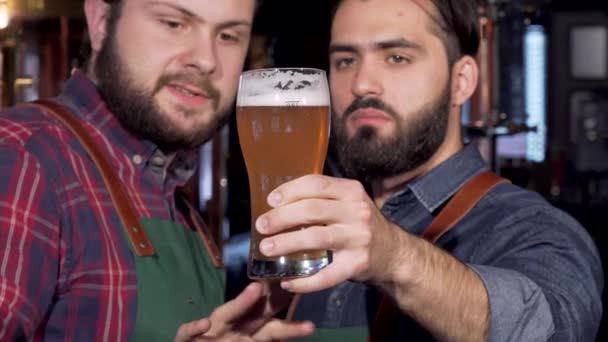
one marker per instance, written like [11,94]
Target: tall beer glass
[283,126]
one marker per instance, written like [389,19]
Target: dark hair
[84,55]
[458,26]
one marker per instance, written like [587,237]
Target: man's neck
[384,189]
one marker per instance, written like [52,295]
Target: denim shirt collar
[435,188]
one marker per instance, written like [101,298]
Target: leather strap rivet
[142,245]
[135,229]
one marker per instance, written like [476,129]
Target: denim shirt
[541,269]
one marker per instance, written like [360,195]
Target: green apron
[180,282]
[177,285]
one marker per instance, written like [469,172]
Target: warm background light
[4,15]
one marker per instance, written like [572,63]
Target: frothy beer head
[283,88]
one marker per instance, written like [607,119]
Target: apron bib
[177,279]
[177,285]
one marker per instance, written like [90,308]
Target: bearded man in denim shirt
[513,269]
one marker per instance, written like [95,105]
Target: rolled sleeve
[544,278]
[519,310]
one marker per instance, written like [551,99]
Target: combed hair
[458,26]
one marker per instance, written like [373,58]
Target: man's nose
[202,56]
[367,81]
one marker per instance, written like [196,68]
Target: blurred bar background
[540,115]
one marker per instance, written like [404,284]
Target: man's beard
[136,109]
[368,157]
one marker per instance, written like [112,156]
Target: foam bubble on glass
[283,87]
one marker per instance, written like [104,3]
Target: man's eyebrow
[398,43]
[336,48]
[379,45]
[180,9]
[196,17]
[234,23]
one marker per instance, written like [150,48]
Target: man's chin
[371,137]
[185,121]
[196,136]
[386,131]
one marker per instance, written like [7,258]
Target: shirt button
[157,161]
[137,159]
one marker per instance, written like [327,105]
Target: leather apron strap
[195,221]
[458,206]
[461,203]
[132,225]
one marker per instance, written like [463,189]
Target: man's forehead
[228,10]
[428,14]
[426,5]
[429,7]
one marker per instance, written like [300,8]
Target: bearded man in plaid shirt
[159,82]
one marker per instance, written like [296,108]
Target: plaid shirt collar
[81,93]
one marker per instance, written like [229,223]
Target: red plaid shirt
[66,270]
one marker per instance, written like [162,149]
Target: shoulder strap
[132,225]
[196,221]
[461,204]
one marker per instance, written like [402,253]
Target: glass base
[284,268]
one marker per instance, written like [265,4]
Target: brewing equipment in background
[498,108]
[39,46]
[579,103]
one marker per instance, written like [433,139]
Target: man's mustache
[199,82]
[369,102]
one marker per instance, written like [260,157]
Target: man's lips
[369,116]
[189,89]
[187,94]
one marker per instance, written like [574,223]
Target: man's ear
[96,12]
[465,75]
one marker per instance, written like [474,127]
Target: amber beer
[283,132]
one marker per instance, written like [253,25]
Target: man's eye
[227,37]
[398,59]
[342,63]
[172,24]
